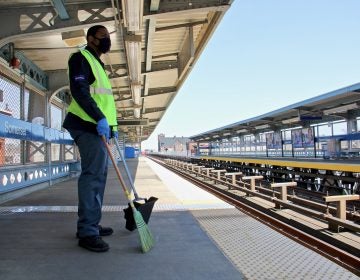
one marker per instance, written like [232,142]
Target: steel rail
[344,259]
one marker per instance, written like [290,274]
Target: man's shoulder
[76,56]
[77,59]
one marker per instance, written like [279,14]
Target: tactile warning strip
[109,208]
[262,253]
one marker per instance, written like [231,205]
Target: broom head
[146,238]
[144,208]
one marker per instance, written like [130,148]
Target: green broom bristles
[146,238]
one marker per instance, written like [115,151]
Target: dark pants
[92,181]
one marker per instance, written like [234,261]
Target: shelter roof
[336,105]
[155,44]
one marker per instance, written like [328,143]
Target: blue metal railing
[24,175]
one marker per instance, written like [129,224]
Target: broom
[146,238]
[128,173]
[145,208]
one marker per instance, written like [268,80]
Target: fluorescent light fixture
[292,120]
[263,126]
[74,38]
[241,130]
[341,109]
[215,136]
[227,134]
[132,14]
[133,51]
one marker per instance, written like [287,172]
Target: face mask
[104,44]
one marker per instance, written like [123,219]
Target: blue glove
[103,128]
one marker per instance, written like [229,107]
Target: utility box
[129,152]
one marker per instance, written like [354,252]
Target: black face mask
[104,44]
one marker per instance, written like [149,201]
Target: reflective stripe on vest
[100,91]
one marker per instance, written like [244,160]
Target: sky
[265,55]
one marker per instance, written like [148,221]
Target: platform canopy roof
[154,47]
[336,105]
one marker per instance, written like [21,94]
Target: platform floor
[197,237]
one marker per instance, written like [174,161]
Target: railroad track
[341,254]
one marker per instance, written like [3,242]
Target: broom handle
[122,183]
[127,170]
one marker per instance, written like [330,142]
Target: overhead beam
[145,93]
[149,42]
[157,66]
[190,24]
[162,90]
[164,65]
[165,55]
[154,110]
[40,23]
[133,122]
[122,96]
[166,6]
[59,6]
[126,108]
[187,53]
[95,10]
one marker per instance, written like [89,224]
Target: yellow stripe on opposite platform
[348,167]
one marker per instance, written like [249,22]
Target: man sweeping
[91,114]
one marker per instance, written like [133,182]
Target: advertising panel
[308,137]
[296,137]
[273,140]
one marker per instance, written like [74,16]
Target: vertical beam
[154,5]
[186,55]
[191,43]
[146,91]
[60,9]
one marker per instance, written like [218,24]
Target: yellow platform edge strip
[348,167]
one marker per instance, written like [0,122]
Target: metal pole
[127,171]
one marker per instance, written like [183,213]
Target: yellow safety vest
[100,91]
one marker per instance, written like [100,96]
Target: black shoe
[94,243]
[103,231]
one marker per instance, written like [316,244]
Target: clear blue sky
[265,55]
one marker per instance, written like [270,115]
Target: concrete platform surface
[197,237]
[42,246]
[37,237]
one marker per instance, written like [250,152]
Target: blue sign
[14,128]
[18,129]
[37,132]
